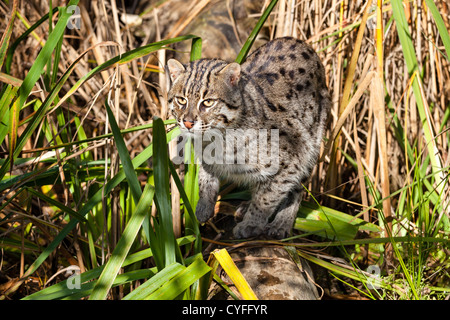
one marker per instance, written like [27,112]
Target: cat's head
[204,94]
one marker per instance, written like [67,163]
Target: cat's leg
[208,191]
[254,217]
[267,197]
[281,226]
[240,212]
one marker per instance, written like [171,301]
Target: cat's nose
[188,124]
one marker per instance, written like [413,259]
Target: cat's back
[283,55]
[287,67]
[286,79]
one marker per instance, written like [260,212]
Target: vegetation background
[85,187]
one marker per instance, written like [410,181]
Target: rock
[272,273]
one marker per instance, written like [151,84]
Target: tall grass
[80,187]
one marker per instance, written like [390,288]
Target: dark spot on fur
[224,117]
[279,45]
[271,77]
[244,112]
[306,55]
[299,87]
[252,65]
[229,106]
[271,106]
[290,94]
[282,72]
[291,74]
[301,70]
[297,189]
[320,79]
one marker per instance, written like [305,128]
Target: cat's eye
[208,103]
[181,101]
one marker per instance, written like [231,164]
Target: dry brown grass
[374,109]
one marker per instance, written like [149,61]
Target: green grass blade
[120,59]
[191,185]
[84,140]
[22,37]
[121,279]
[340,230]
[92,202]
[127,164]
[352,274]
[191,220]
[25,89]
[404,36]
[128,168]
[5,101]
[196,49]
[413,70]
[61,290]
[4,42]
[54,72]
[440,24]
[177,285]
[32,76]
[251,38]
[45,54]
[120,252]
[64,292]
[162,193]
[125,58]
[155,282]
[13,128]
[57,204]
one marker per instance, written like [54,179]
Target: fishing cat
[281,89]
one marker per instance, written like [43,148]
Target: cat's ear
[232,73]
[175,69]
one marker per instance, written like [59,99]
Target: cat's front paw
[277,231]
[204,210]
[246,229]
